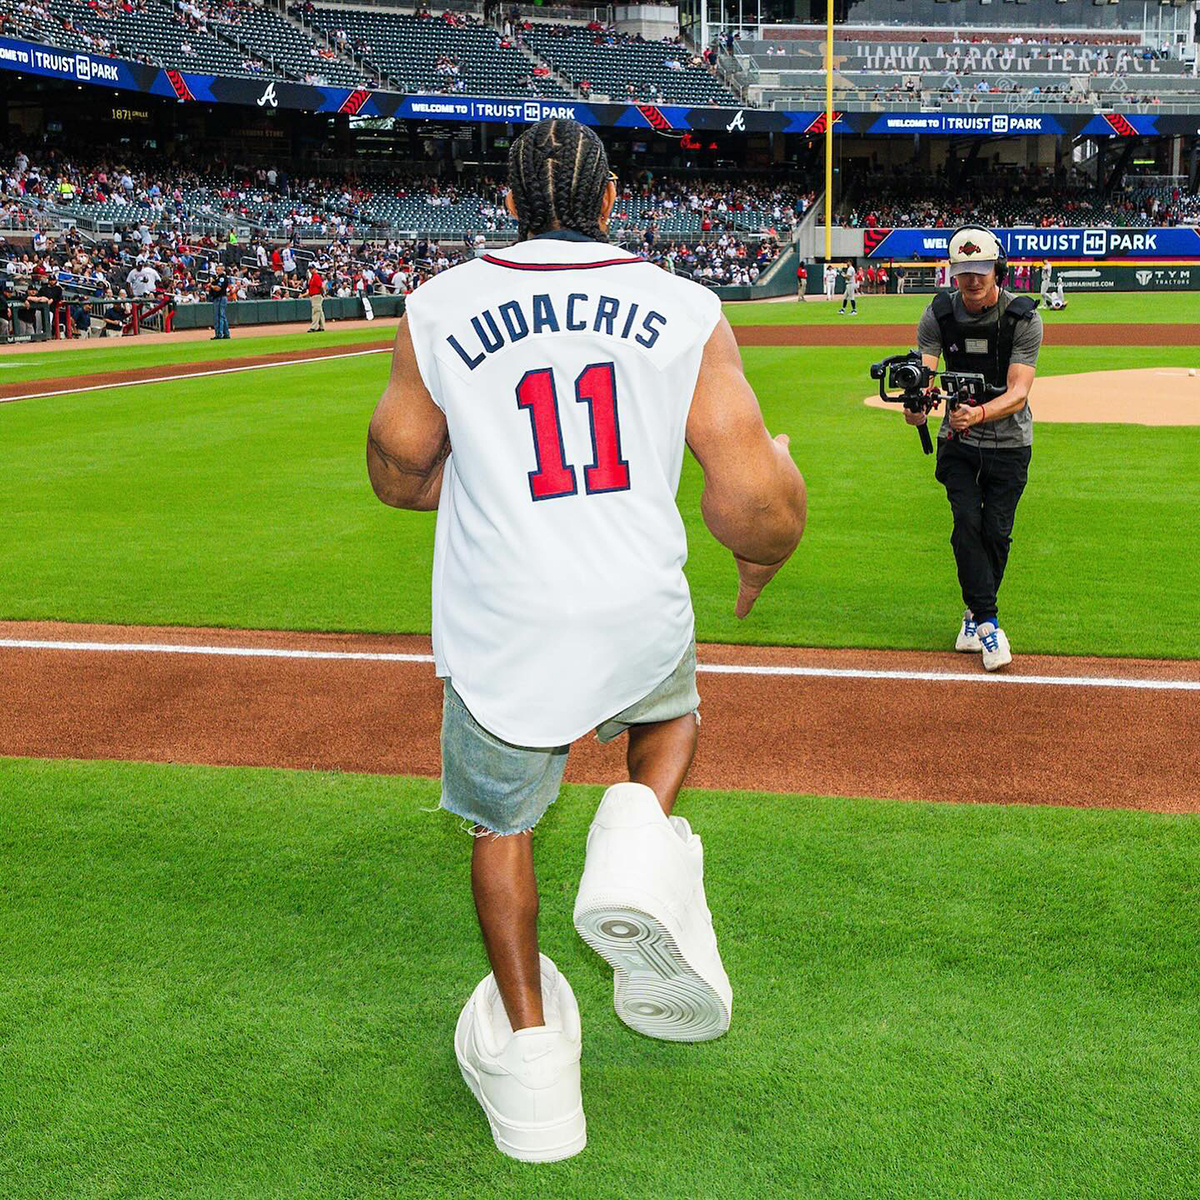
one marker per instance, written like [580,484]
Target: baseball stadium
[951,857]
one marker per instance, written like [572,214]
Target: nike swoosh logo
[533,1057]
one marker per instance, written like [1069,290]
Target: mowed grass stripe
[243,501]
[244,983]
[119,356]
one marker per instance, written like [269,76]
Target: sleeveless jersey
[565,368]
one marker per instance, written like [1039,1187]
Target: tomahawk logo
[268,97]
[1144,277]
[738,122]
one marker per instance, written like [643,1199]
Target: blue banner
[1181,242]
[949,124]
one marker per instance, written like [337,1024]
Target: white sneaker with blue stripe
[968,635]
[996,650]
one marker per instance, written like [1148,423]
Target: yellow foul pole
[828,130]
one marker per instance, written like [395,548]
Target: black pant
[983,487]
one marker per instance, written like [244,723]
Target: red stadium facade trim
[655,117]
[817,124]
[178,82]
[1120,125]
[354,102]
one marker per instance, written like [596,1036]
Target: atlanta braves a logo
[738,122]
[268,97]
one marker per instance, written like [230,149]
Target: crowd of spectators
[728,261]
[650,201]
[1007,199]
[186,222]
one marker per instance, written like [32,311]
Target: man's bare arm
[1019,381]
[407,442]
[754,499]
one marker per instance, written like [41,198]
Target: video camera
[910,374]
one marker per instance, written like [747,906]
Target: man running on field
[540,399]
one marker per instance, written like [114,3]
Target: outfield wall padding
[275,312]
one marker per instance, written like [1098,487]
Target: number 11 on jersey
[596,386]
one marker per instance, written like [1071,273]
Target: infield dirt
[892,737]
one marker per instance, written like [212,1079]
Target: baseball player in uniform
[851,293]
[983,450]
[540,399]
[829,278]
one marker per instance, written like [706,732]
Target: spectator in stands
[143,280]
[43,302]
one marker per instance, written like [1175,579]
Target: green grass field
[243,501]
[229,983]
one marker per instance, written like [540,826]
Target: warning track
[849,334]
[905,725]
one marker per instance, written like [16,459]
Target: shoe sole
[656,991]
[996,666]
[575,1127]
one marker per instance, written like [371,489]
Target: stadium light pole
[828,130]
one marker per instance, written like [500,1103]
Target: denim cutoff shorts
[505,789]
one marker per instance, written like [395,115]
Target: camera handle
[916,406]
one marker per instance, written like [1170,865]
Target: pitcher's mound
[1154,396]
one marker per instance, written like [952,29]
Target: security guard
[983,449]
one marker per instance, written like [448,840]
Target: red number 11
[597,388]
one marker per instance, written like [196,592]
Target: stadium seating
[628,69]
[152,31]
[407,48]
[284,44]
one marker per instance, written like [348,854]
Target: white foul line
[1154,685]
[103,387]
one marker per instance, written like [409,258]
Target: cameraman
[983,450]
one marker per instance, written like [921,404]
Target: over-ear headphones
[1001,257]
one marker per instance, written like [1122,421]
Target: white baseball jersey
[565,368]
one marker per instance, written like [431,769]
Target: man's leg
[958,470]
[659,756]
[1003,482]
[506,900]
[504,788]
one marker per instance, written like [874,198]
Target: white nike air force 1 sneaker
[641,907]
[527,1082]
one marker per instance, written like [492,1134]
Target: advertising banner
[949,124]
[1130,279]
[1180,242]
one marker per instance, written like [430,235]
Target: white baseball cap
[973,251]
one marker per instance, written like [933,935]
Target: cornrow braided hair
[557,171]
